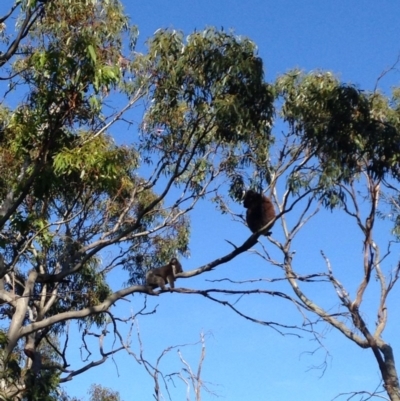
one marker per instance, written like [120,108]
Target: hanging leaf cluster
[347,129]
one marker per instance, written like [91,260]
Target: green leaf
[92,53]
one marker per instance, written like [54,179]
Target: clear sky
[244,361]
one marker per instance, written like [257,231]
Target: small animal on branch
[260,211]
[159,276]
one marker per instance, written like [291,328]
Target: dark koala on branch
[159,276]
[260,211]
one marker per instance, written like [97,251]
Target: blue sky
[355,39]
[246,361]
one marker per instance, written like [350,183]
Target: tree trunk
[389,373]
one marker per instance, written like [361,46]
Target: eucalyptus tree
[340,151]
[70,191]
[210,127]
